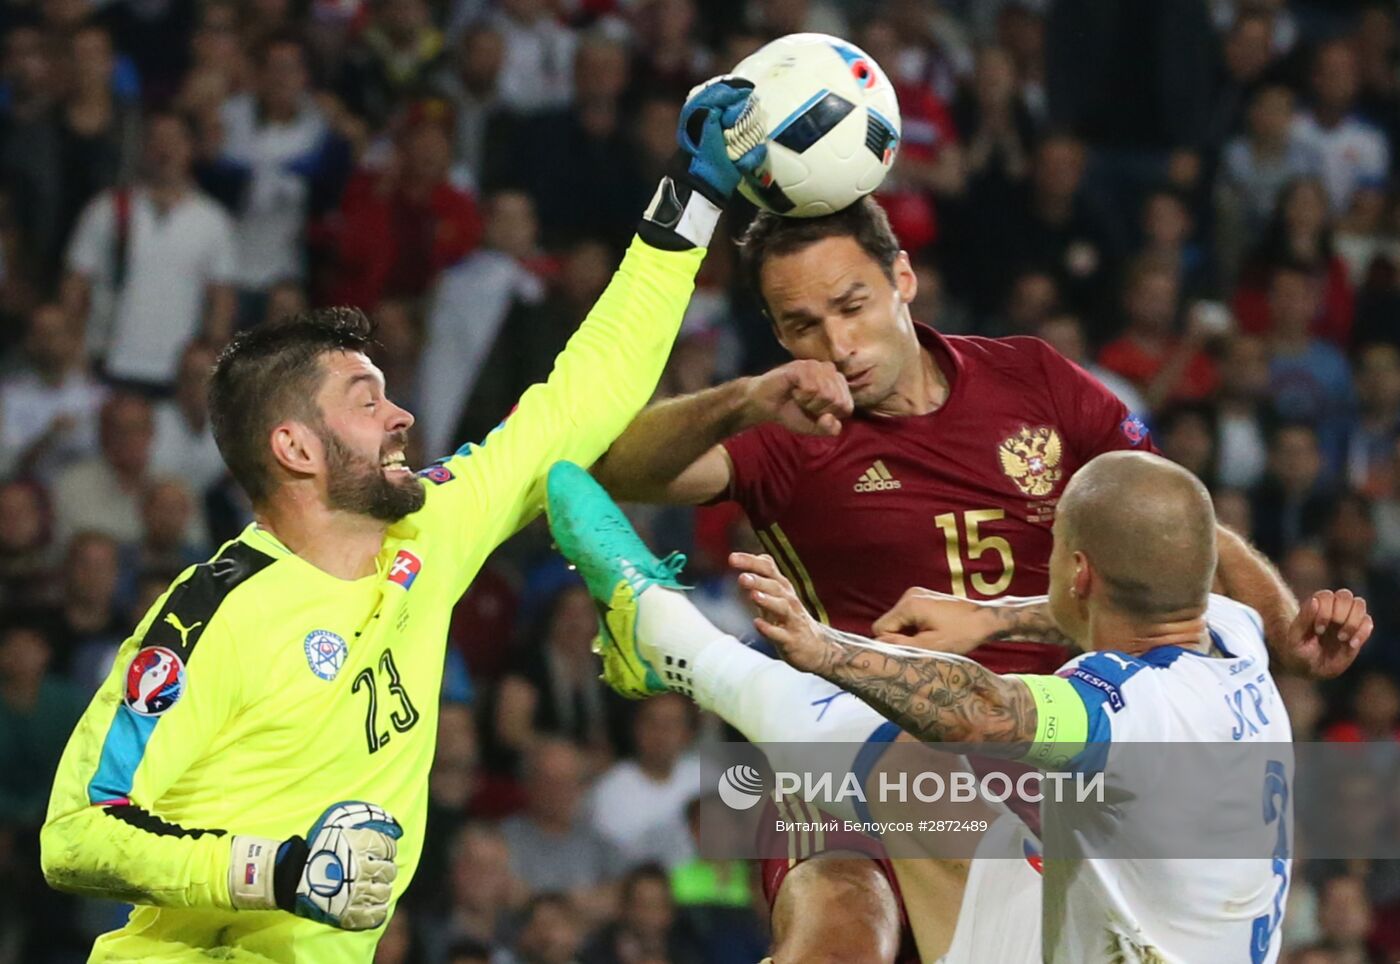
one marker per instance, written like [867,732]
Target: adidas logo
[877,478]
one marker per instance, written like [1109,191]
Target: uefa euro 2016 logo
[154,681]
[325,653]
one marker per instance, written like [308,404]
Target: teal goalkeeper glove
[720,137]
[342,874]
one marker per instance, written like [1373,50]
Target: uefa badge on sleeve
[325,653]
[155,679]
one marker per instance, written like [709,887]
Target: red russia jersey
[960,500]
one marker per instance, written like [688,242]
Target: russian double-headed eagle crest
[1031,459]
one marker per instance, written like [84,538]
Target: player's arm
[937,697]
[671,451]
[172,690]
[611,365]
[928,619]
[1320,639]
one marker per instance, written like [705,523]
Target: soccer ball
[831,121]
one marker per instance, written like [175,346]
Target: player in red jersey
[887,456]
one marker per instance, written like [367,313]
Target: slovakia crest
[325,653]
[405,568]
[155,680]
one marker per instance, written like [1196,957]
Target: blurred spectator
[30,148]
[26,551]
[538,68]
[525,345]
[1290,504]
[400,56]
[474,91]
[552,847]
[171,537]
[273,160]
[1257,164]
[396,945]
[1232,509]
[88,626]
[1364,239]
[774,18]
[1305,705]
[49,402]
[468,952]
[1354,153]
[103,493]
[638,805]
[1351,552]
[183,444]
[1300,235]
[220,65]
[1168,235]
[149,267]
[1163,366]
[1187,435]
[1306,571]
[930,163]
[482,891]
[1032,298]
[1242,404]
[553,688]
[100,128]
[1053,225]
[1309,379]
[37,711]
[473,303]
[1246,56]
[996,125]
[1065,333]
[551,933]
[667,61]
[1376,428]
[1374,713]
[400,227]
[598,192]
[647,928]
[1345,916]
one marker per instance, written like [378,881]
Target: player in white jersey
[1134,557]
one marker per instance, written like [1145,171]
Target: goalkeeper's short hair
[770,235]
[272,372]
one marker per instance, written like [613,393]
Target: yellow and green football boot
[593,534]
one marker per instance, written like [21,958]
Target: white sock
[765,699]
[781,708]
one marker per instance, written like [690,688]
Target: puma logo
[182,629]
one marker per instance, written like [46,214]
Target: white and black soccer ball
[831,122]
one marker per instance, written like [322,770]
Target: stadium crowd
[1194,200]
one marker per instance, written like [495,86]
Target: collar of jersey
[264,539]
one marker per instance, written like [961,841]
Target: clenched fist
[809,397]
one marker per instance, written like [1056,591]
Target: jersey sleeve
[763,467]
[604,376]
[173,687]
[1074,711]
[1239,628]
[1093,418]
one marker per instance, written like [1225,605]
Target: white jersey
[1154,904]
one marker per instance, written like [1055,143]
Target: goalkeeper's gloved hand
[341,874]
[721,138]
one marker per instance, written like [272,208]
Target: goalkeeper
[253,774]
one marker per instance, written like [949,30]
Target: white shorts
[999,921]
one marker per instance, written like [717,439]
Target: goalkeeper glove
[721,139]
[341,874]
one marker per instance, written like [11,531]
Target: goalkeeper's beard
[357,484]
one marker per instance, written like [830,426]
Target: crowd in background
[1197,201]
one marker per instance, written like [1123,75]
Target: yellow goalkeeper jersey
[259,690]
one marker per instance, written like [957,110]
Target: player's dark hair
[771,236]
[272,372]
